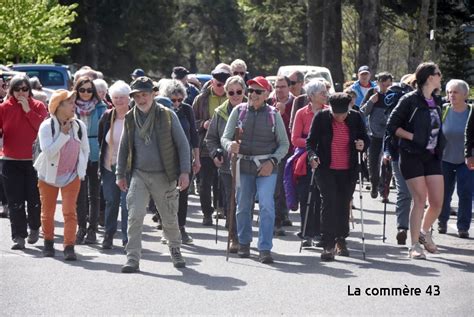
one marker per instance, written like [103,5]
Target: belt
[255,158]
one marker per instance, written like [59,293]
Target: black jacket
[413,115]
[320,138]
[469,136]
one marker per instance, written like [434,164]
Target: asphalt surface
[296,284]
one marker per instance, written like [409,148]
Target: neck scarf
[145,129]
[86,107]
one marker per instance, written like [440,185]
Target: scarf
[86,107]
[145,129]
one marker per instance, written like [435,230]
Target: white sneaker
[416,252]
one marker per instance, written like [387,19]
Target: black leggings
[89,196]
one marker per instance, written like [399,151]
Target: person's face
[239,71]
[364,77]
[257,96]
[436,78]
[143,99]
[3,88]
[218,87]
[21,91]
[66,109]
[282,90]
[120,102]
[340,117]
[101,94]
[456,96]
[235,94]
[295,86]
[85,92]
[319,98]
[383,85]
[176,99]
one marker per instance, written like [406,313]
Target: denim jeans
[114,198]
[463,178]
[264,186]
[403,204]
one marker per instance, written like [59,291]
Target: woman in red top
[20,118]
[318,96]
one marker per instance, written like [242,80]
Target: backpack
[243,110]
[36,144]
[393,95]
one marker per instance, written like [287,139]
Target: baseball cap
[364,69]
[179,72]
[138,72]
[260,81]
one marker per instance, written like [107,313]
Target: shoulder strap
[53,130]
[445,112]
[79,132]
[271,112]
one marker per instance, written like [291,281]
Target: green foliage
[34,31]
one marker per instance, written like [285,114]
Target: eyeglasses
[176,100]
[238,92]
[257,91]
[437,73]
[84,90]
[292,82]
[281,87]
[239,73]
[219,84]
[18,89]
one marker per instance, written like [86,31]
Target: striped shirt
[339,146]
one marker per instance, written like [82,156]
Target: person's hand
[183,181]
[66,126]
[386,159]
[24,103]
[374,98]
[206,124]
[359,144]
[266,168]
[470,162]
[314,162]
[217,162]
[122,184]
[280,106]
[235,147]
[196,166]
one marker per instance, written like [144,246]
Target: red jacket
[20,128]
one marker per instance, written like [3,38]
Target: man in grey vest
[263,143]
[154,152]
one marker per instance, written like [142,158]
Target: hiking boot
[243,251]
[341,247]
[265,257]
[373,192]
[80,235]
[328,254]
[442,227]
[207,220]
[185,237]
[416,252]
[91,237]
[18,243]
[234,246]
[131,266]
[108,241]
[48,250]
[33,236]
[177,258]
[307,243]
[428,242]
[5,212]
[402,237]
[69,254]
[463,234]
[286,222]
[279,232]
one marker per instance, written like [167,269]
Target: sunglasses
[84,90]
[239,73]
[177,100]
[238,92]
[18,89]
[257,91]
[292,83]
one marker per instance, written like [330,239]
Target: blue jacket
[358,90]
[93,131]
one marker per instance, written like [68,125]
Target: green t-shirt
[214,102]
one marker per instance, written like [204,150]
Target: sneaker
[243,251]
[185,237]
[177,258]
[428,242]
[265,257]
[80,235]
[91,237]
[234,246]
[328,254]
[33,236]
[131,266]
[341,247]
[373,192]
[307,243]
[18,243]
[463,234]
[442,227]
[416,252]
[402,237]
[207,220]
[108,242]
[279,232]
[48,250]
[69,254]
[5,211]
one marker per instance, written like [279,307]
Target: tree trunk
[314,17]
[369,37]
[418,38]
[332,39]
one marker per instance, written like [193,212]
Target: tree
[332,40]
[419,37]
[314,44]
[369,36]
[35,31]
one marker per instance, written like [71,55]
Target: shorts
[419,164]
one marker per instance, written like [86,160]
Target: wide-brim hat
[57,97]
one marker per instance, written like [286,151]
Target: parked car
[309,72]
[52,76]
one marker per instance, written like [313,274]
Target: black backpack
[36,144]
[393,95]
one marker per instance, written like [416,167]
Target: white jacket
[47,162]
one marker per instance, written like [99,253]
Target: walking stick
[361,208]
[385,195]
[308,203]
[217,211]
[232,205]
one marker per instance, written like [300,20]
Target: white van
[309,72]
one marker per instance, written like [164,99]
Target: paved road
[297,284]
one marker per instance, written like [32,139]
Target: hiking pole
[217,209]
[308,203]
[385,195]
[232,205]
[361,208]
